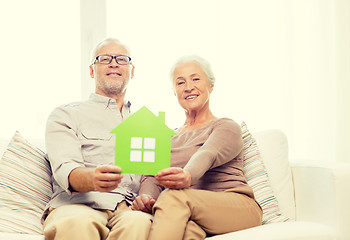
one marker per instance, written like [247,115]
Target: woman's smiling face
[192,87]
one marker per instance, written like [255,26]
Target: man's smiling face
[111,79]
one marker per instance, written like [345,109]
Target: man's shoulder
[68,108]
[72,105]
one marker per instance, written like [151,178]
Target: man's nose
[113,63]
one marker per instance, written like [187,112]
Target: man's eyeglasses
[107,59]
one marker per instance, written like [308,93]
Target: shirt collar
[108,101]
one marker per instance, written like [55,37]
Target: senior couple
[203,193]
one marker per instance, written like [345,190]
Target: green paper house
[143,143]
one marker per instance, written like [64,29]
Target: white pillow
[3,145]
[25,186]
[258,179]
[273,146]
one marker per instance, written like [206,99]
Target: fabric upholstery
[25,186]
[258,179]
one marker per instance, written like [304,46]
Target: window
[142,149]
[40,63]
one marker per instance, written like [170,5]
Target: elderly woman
[206,192]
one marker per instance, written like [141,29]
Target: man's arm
[67,163]
[102,179]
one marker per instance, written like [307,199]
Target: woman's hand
[144,203]
[174,178]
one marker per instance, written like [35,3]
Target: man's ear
[92,73]
[132,71]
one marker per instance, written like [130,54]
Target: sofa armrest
[322,194]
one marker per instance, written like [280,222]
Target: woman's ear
[173,88]
[211,88]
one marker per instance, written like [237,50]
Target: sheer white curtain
[279,63]
[40,62]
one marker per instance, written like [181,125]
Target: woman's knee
[172,199]
[170,194]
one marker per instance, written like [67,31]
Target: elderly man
[90,198]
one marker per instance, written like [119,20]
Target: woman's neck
[196,120]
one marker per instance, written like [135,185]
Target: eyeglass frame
[112,57]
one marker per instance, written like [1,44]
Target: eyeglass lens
[106,59]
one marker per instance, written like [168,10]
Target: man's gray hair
[204,64]
[106,41]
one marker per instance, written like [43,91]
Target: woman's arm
[148,193]
[223,144]
[174,177]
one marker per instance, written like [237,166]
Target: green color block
[143,143]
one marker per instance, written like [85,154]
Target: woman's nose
[189,86]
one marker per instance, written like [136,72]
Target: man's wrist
[81,179]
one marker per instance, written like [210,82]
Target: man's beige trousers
[74,222]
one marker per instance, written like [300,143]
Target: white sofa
[313,196]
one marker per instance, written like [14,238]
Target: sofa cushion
[19,236]
[25,186]
[258,179]
[282,231]
[273,146]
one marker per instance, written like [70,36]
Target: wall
[39,64]
[278,63]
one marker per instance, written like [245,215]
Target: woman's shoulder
[227,122]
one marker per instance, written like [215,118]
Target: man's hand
[174,178]
[102,178]
[106,178]
[143,203]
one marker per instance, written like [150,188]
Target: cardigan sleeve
[149,185]
[223,144]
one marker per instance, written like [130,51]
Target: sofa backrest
[273,146]
[40,143]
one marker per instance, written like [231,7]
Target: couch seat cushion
[282,231]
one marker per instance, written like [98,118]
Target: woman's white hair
[204,64]
[106,41]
